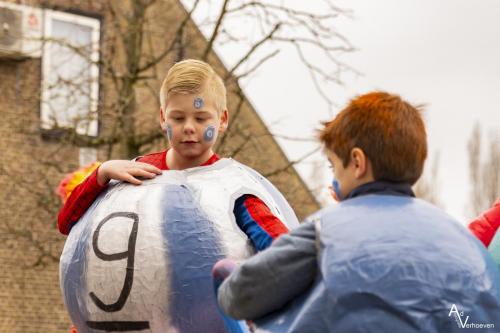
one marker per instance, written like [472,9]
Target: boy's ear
[360,163]
[162,120]
[224,121]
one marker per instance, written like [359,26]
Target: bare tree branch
[215,32]
[258,64]
[253,49]
[483,171]
[156,60]
[291,163]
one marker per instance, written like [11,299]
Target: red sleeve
[264,217]
[85,194]
[78,202]
[486,225]
[257,221]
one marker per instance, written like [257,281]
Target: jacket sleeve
[78,202]
[257,221]
[486,225]
[267,281]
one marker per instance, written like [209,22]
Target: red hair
[389,130]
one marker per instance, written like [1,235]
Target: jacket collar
[382,187]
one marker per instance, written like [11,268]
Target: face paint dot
[198,103]
[169,132]
[336,189]
[209,133]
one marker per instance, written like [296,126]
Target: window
[70,75]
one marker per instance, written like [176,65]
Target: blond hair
[192,76]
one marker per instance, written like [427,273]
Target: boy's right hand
[126,171]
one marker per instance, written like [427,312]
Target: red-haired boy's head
[389,131]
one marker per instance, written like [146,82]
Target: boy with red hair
[380,260]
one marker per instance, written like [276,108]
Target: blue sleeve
[261,284]
[249,225]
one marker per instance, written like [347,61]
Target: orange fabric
[72,180]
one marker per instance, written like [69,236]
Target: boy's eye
[178,118]
[200,119]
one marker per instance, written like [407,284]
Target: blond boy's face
[192,124]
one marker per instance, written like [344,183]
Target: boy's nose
[189,127]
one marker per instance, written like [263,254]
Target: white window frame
[94,24]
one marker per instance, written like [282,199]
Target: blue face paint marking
[209,134]
[169,132]
[198,103]
[336,189]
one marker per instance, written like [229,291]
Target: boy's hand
[126,171]
[221,270]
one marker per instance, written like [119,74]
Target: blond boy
[223,199]
[193,113]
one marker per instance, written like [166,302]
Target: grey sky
[442,53]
